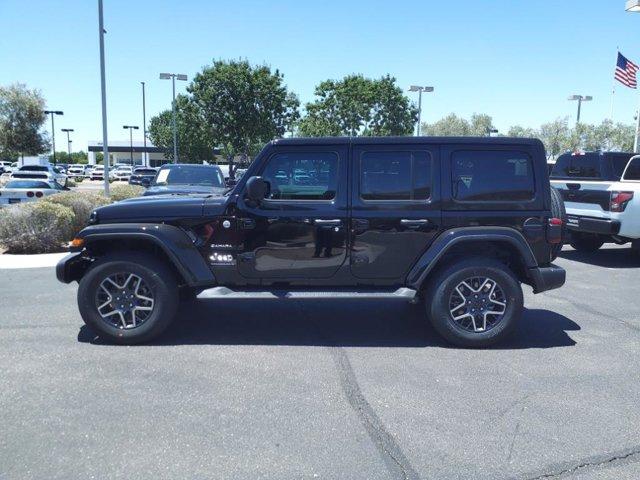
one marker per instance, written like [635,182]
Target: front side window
[494,176]
[302,176]
[388,175]
[633,170]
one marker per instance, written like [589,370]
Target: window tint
[633,170]
[577,166]
[492,176]
[395,175]
[302,176]
[618,164]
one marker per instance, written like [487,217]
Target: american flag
[626,71]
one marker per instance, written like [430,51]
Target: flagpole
[637,139]
[613,86]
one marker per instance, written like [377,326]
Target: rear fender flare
[418,275]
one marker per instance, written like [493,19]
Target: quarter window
[633,170]
[483,175]
[302,176]
[395,175]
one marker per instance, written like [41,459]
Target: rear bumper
[603,226]
[547,278]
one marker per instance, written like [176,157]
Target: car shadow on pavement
[604,257]
[332,322]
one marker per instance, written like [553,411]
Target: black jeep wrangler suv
[455,223]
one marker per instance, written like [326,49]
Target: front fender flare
[172,240]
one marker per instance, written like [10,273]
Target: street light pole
[53,130]
[145,162]
[68,131]
[634,6]
[419,89]
[173,76]
[103,87]
[131,129]
[580,99]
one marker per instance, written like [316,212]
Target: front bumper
[547,278]
[603,226]
[71,267]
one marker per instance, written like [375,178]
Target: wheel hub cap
[124,300]
[477,304]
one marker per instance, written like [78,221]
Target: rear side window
[402,175]
[633,170]
[492,176]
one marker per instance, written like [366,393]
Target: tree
[357,105]
[522,132]
[195,143]
[76,157]
[21,118]
[449,126]
[242,105]
[454,126]
[556,137]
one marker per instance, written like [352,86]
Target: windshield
[208,176]
[35,168]
[26,184]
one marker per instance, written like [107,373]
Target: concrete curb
[8,261]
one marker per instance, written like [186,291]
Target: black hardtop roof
[406,140]
[595,152]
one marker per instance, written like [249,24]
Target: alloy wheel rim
[124,300]
[477,304]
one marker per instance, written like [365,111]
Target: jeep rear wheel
[584,242]
[128,298]
[474,302]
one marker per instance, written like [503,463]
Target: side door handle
[328,223]
[406,222]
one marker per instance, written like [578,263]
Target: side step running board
[407,294]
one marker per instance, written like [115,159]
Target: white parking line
[41,260]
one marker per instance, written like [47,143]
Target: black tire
[441,290]
[160,282]
[585,242]
[558,211]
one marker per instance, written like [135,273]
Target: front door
[299,231]
[396,208]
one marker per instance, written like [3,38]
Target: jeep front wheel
[474,302]
[128,298]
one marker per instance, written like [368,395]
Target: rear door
[395,208]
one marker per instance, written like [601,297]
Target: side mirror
[257,189]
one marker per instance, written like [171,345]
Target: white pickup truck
[601,193]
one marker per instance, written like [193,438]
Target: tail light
[38,194]
[619,201]
[554,230]
[30,194]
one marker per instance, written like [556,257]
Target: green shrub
[81,204]
[37,227]
[122,192]
[70,183]
[78,179]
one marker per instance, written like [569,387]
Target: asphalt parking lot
[332,388]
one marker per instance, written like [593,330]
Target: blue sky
[515,60]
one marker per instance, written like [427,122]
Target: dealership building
[128,153]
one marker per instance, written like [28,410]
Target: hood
[153,209]
[182,189]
